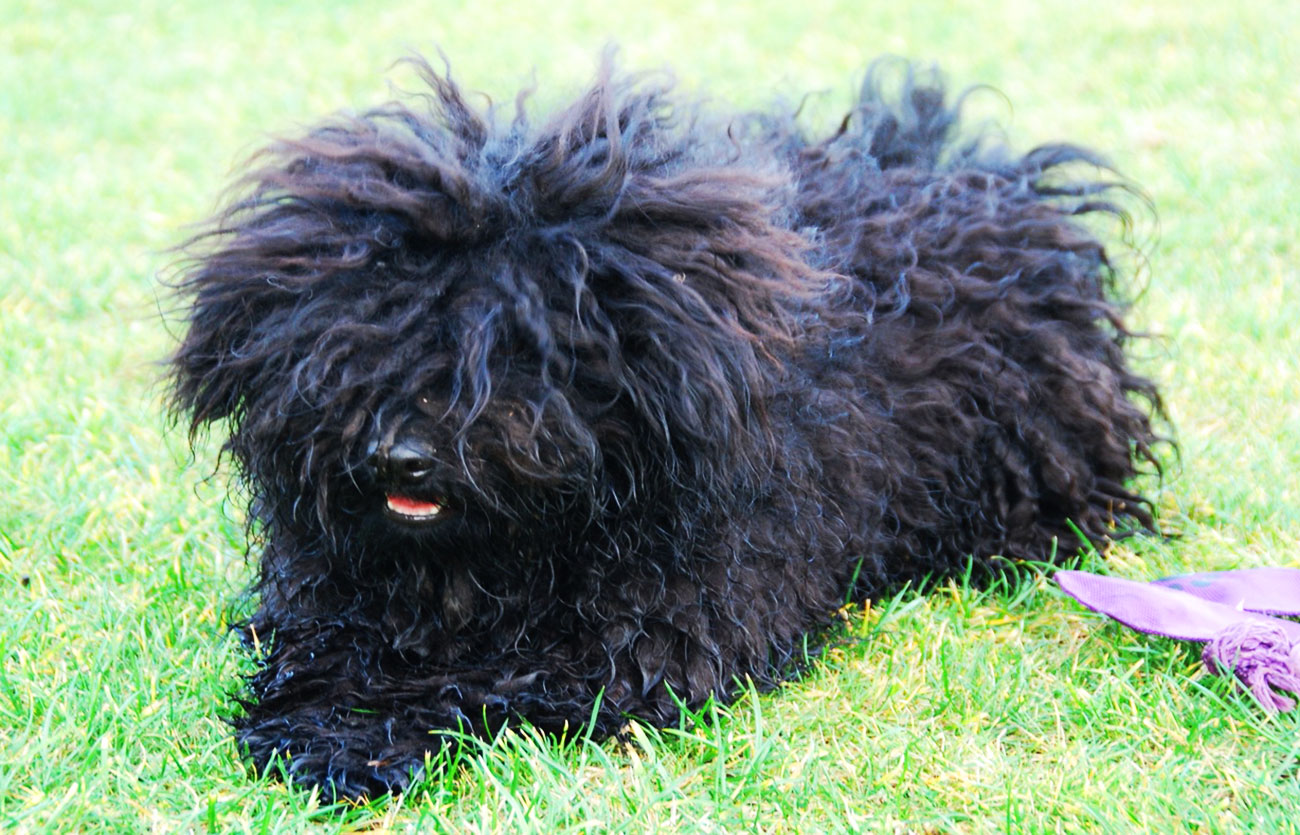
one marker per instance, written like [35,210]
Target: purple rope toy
[1229,610]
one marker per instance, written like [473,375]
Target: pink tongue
[412,507]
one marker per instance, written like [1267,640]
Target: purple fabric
[1157,609]
[1272,591]
[1221,608]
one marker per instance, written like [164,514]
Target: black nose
[403,462]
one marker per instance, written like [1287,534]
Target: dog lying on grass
[589,417]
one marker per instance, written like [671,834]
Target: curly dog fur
[578,420]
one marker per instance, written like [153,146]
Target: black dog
[565,422]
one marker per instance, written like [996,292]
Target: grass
[1001,710]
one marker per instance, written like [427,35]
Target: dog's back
[996,335]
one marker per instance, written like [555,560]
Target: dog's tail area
[999,325]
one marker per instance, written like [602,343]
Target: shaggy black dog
[584,419]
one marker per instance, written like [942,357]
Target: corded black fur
[550,421]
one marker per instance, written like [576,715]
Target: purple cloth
[1224,609]
[1271,591]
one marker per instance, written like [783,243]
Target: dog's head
[452,325]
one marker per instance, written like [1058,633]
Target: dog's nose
[405,462]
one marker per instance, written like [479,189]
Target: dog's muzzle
[402,470]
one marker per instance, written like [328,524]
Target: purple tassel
[1262,657]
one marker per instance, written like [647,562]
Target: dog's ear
[707,294]
[358,197]
[226,348]
[683,261]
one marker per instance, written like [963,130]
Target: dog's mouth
[413,510]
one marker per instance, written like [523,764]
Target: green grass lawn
[1012,709]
